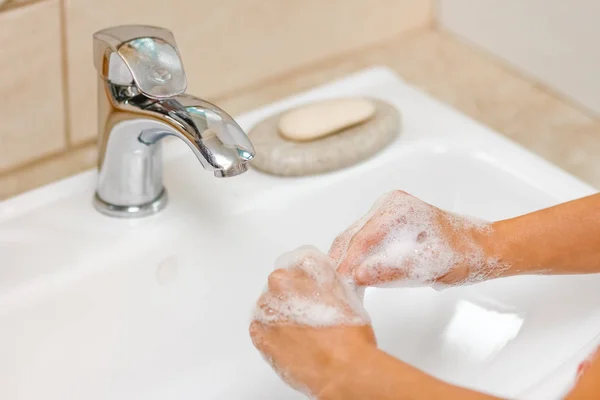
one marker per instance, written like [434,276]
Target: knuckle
[253,328]
[276,278]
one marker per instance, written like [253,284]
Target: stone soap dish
[278,155]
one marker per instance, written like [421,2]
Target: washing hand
[404,241]
[310,325]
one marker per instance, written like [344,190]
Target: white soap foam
[319,298]
[341,243]
[304,311]
[416,244]
[310,293]
[310,260]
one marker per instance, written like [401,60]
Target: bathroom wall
[552,41]
[47,79]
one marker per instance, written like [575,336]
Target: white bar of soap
[323,118]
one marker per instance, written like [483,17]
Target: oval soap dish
[278,155]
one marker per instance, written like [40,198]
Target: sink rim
[480,142]
[562,185]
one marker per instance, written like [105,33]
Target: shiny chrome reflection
[141,99]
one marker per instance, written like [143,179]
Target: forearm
[563,239]
[377,375]
[588,384]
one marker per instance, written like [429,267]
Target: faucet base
[142,210]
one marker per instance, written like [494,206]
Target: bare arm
[588,386]
[564,239]
[404,239]
[333,357]
[380,376]
[428,245]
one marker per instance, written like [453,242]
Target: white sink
[93,307]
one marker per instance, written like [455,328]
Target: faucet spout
[141,100]
[214,137]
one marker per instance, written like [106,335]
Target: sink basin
[100,308]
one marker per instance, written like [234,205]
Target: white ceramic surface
[100,308]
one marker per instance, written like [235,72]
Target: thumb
[359,248]
[379,275]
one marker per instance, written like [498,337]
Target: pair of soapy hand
[315,300]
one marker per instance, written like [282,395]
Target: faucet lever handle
[146,56]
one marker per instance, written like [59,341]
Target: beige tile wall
[31,83]
[226,45]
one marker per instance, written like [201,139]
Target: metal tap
[141,100]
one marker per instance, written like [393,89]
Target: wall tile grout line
[65,73]
[11,5]
[46,158]
[435,14]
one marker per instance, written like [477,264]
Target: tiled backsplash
[31,84]
[48,82]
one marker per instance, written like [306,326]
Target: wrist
[496,249]
[375,374]
[508,248]
[486,256]
[343,373]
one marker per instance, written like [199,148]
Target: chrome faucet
[141,99]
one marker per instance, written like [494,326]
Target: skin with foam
[324,300]
[343,362]
[404,241]
[305,291]
[333,355]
